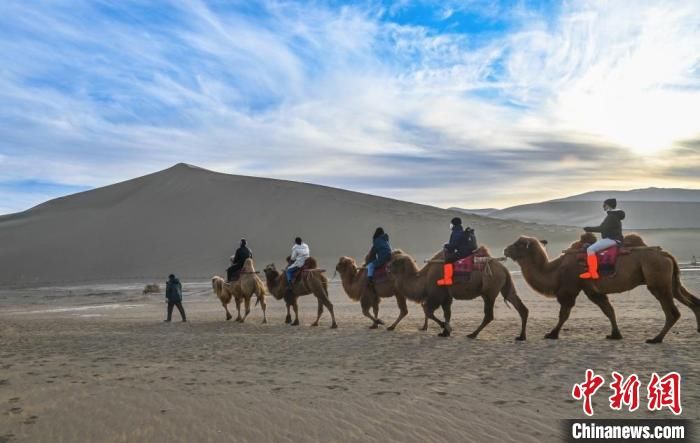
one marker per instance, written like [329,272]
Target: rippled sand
[97,364]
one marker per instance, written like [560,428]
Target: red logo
[587,389]
[625,392]
[665,392]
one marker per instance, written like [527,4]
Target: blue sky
[451,103]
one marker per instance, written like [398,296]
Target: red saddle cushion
[380,272]
[464,265]
[606,257]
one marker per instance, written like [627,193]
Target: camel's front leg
[239,319]
[228,314]
[375,308]
[288,318]
[247,308]
[489,302]
[365,304]
[296,314]
[429,311]
[566,302]
[403,311]
[602,301]
[263,305]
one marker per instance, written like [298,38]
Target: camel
[354,280]
[241,291]
[653,267]
[311,281]
[488,284]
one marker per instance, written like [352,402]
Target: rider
[461,244]
[300,252]
[611,235]
[379,255]
[238,259]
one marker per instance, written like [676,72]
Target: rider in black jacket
[242,253]
[611,233]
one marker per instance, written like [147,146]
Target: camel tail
[679,291]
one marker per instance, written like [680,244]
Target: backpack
[470,239]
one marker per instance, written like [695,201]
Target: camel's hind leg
[489,302]
[403,311]
[665,298]
[322,295]
[522,312]
[684,296]
[566,304]
[319,312]
[604,304]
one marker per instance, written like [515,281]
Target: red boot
[592,268]
[448,270]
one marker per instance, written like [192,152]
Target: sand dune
[650,208]
[188,220]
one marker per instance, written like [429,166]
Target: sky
[464,103]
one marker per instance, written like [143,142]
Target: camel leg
[288,318]
[403,311]
[447,310]
[238,308]
[329,306]
[319,312]
[375,308]
[522,311]
[602,301]
[429,310]
[228,314]
[425,322]
[296,314]
[489,302]
[665,298]
[263,305]
[365,304]
[566,302]
[690,301]
[247,309]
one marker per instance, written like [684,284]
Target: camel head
[523,248]
[345,264]
[271,272]
[401,265]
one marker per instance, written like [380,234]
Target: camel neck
[538,272]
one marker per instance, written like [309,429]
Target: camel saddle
[474,262]
[607,258]
[309,264]
[381,273]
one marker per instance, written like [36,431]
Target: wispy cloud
[451,103]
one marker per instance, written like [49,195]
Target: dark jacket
[459,244]
[241,255]
[173,290]
[381,250]
[611,227]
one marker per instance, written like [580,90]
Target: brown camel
[241,291]
[487,284]
[311,281]
[354,281]
[642,265]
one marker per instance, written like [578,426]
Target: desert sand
[96,363]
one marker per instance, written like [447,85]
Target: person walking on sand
[173,295]
[611,233]
[379,255]
[242,254]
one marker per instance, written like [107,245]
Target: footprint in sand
[6,438]
[500,402]
[31,420]
[386,393]
[334,387]
[15,410]
[4,382]
[14,400]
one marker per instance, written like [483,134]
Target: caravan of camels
[400,277]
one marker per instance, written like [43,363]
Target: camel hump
[633,240]
[311,263]
[482,251]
